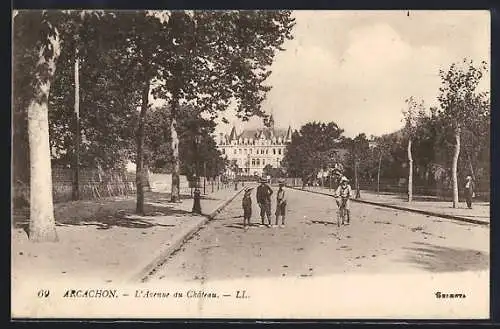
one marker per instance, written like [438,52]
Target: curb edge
[146,270]
[424,212]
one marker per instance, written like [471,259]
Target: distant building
[253,149]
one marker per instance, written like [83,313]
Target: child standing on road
[247,207]
[281,204]
[342,196]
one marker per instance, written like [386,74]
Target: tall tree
[413,111]
[382,150]
[108,107]
[41,37]
[460,101]
[358,155]
[219,58]
[38,31]
[143,37]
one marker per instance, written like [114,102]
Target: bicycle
[341,212]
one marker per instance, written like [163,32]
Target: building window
[239,151]
[274,151]
[279,151]
[234,151]
[263,161]
[267,151]
[250,151]
[253,162]
[258,162]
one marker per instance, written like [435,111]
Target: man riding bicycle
[342,196]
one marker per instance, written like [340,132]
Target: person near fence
[469,191]
[281,203]
[342,195]
[264,193]
[247,207]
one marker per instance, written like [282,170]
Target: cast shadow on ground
[240,225]
[404,197]
[166,197]
[434,258]
[444,199]
[108,213]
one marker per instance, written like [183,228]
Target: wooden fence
[93,184]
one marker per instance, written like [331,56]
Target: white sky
[357,67]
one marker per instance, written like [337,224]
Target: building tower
[271,122]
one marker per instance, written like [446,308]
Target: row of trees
[96,71]
[426,150]
[462,121]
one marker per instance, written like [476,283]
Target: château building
[253,149]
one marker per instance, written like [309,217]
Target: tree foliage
[158,152]
[313,148]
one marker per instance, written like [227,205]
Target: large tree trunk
[454,167]
[76,160]
[378,172]
[410,173]
[176,168]
[139,172]
[42,223]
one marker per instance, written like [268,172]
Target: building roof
[268,133]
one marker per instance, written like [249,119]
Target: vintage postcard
[251,164]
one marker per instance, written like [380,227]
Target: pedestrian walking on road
[281,204]
[247,207]
[264,193]
[469,191]
[342,196]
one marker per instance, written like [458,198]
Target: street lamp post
[204,177]
[197,193]
[212,177]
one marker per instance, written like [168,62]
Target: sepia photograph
[250,164]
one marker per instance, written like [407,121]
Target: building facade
[253,149]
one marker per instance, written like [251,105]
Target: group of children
[263,196]
[264,193]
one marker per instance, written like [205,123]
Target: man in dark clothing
[469,191]
[264,193]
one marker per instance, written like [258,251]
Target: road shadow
[108,213]
[163,197]
[434,258]
[422,198]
